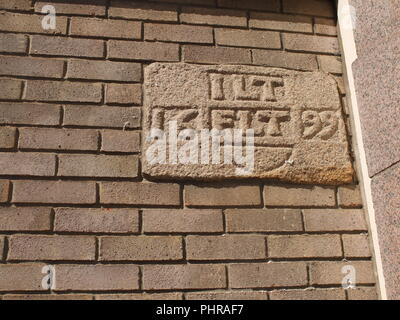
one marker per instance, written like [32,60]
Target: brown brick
[227,295]
[248,38]
[227,196]
[2,241]
[334,220]
[218,55]
[47,296]
[21,277]
[63,91]
[330,272]
[311,43]
[192,276]
[13,43]
[10,89]
[7,137]
[97,277]
[315,294]
[25,219]
[141,296]
[120,141]
[363,293]
[76,7]
[143,11]
[226,247]
[141,248]
[70,47]
[29,164]
[92,220]
[299,196]
[58,139]
[150,51]
[15,22]
[140,193]
[267,275]
[304,246]
[178,33]
[349,197]
[322,8]
[104,70]
[330,64]
[105,28]
[109,117]
[284,59]
[222,17]
[271,5]
[275,21]
[54,192]
[15,4]
[40,247]
[93,165]
[325,26]
[356,245]
[123,93]
[28,113]
[4,190]
[263,220]
[182,221]
[32,67]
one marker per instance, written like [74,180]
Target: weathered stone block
[299,133]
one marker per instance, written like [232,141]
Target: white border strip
[350,55]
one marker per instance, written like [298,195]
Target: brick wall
[71,190]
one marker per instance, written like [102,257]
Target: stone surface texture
[299,133]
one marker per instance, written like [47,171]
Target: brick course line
[72,192]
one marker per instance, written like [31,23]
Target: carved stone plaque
[234,122]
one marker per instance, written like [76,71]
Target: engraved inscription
[243,87]
[319,124]
[264,122]
[294,117]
